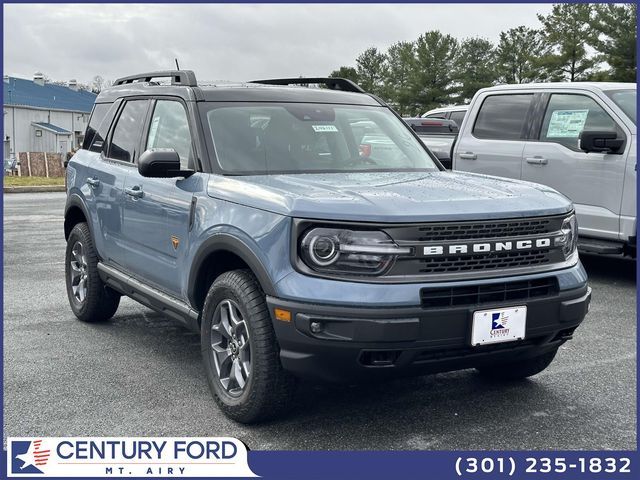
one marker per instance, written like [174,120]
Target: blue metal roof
[51,127]
[21,92]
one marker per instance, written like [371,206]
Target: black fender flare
[232,244]
[75,201]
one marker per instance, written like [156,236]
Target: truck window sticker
[567,123]
[153,130]
[324,128]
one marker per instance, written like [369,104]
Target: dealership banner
[127,457]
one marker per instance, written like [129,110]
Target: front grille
[490,293]
[491,263]
[470,231]
[484,262]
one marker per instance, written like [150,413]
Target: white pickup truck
[578,138]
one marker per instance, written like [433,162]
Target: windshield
[626,100]
[312,138]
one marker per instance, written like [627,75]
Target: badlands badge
[127,457]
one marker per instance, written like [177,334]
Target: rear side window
[626,100]
[457,117]
[170,129]
[568,115]
[502,117]
[97,128]
[126,134]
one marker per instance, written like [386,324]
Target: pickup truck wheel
[240,350]
[518,370]
[90,299]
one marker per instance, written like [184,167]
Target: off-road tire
[269,388]
[100,302]
[518,370]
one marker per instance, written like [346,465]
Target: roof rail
[178,77]
[331,83]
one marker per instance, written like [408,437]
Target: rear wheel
[240,350]
[518,370]
[90,299]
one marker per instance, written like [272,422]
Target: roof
[590,86]
[268,93]
[246,92]
[27,93]
[449,109]
[51,127]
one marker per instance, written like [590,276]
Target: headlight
[351,252]
[569,238]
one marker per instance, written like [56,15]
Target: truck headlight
[569,236]
[350,252]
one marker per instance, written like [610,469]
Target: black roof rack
[178,77]
[331,83]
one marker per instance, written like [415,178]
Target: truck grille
[476,231]
[485,264]
[482,230]
[491,293]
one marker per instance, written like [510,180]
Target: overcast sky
[228,42]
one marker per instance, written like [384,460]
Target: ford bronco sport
[258,217]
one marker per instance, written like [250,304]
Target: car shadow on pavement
[424,413]
[609,268]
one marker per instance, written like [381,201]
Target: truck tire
[518,370]
[240,351]
[90,299]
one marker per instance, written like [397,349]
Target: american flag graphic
[41,457]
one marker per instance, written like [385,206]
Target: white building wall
[25,140]
[48,142]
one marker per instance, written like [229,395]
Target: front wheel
[518,370]
[240,350]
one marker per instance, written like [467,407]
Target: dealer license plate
[498,325]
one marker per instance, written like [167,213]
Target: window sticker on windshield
[567,123]
[324,128]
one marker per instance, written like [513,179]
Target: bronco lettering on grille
[487,247]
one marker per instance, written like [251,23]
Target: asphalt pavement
[141,375]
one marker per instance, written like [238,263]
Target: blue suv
[308,233]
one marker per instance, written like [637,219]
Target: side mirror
[600,141]
[161,163]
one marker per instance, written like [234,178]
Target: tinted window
[98,127]
[126,135]
[502,117]
[626,100]
[169,128]
[442,115]
[457,117]
[302,138]
[568,115]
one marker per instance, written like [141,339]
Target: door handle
[135,192]
[93,182]
[468,156]
[537,160]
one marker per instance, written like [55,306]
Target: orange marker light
[283,315]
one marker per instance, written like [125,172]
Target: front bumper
[360,343]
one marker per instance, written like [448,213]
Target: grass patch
[32,181]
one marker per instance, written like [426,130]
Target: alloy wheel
[230,347]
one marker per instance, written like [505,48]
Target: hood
[391,197]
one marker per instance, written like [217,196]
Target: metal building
[43,117]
